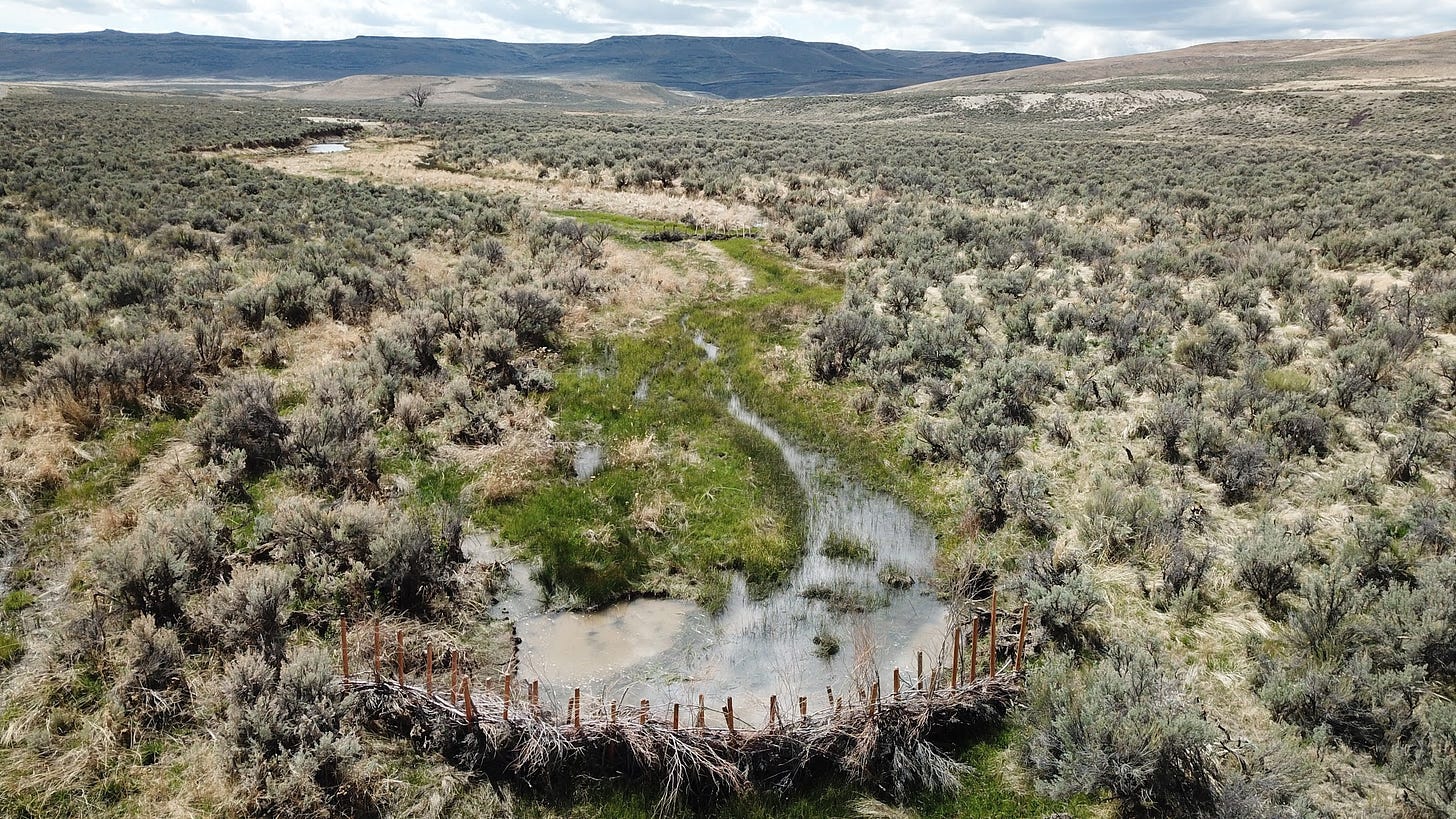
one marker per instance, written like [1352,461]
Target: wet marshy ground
[860,596]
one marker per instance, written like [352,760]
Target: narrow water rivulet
[672,650]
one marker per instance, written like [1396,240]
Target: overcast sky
[1070,29]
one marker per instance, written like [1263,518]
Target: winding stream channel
[672,650]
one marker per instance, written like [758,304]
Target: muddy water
[670,650]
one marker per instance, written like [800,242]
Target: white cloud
[1071,29]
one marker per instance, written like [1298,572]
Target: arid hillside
[1428,61]
[574,93]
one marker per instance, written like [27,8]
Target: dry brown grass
[640,287]
[632,452]
[169,478]
[37,450]
[318,347]
[527,450]
[657,513]
[394,161]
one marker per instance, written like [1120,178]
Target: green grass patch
[438,484]
[714,496]
[1284,379]
[705,494]
[985,792]
[621,222]
[126,444]
[783,303]
[11,648]
[16,601]
[839,546]
[846,598]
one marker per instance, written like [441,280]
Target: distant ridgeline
[734,67]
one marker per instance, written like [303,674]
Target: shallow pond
[773,642]
[327,148]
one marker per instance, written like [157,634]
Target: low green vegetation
[839,546]
[1187,394]
[16,601]
[687,493]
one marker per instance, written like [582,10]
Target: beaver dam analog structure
[894,736]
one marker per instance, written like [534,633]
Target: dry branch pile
[894,745]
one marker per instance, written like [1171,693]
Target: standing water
[780,642]
[588,461]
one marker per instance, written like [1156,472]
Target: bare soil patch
[396,162]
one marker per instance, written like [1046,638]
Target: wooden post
[702,713]
[614,713]
[399,655]
[991,643]
[955,659]
[1021,638]
[773,710]
[506,700]
[875,693]
[377,649]
[804,710]
[642,713]
[975,646]
[897,683]
[838,706]
[829,689]
[429,669]
[675,707]
[728,715]
[469,703]
[344,644]
[454,675]
[576,708]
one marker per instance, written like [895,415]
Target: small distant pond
[327,148]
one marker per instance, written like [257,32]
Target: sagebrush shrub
[1063,595]
[1244,471]
[169,554]
[410,565]
[1267,564]
[152,688]
[290,750]
[250,612]
[1427,765]
[1124,726]
[331,443]
[241,415]
[533,315]
[843,340]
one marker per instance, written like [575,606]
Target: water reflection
[765,642]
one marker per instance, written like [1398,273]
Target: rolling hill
[734,67]
[1425,61]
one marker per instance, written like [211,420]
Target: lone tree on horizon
[419,95]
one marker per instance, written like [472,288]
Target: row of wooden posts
[462,701]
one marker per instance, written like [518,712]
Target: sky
[1070,29]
